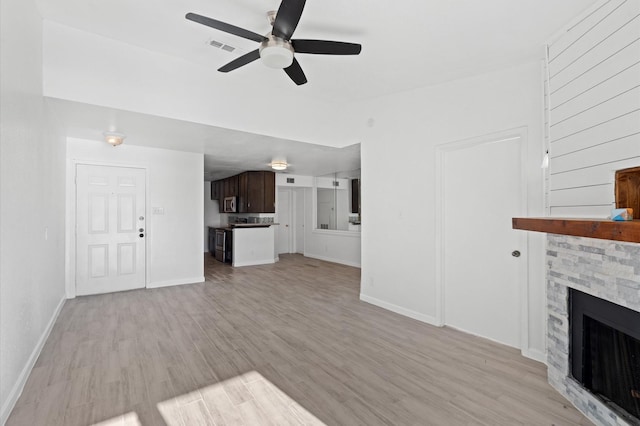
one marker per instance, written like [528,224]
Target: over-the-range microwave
[229,204]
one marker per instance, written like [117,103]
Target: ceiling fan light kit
[276,53]
[277,49]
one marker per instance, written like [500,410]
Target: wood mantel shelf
[603,229]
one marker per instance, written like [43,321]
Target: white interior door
[284,218]
[483,190]
[110,229]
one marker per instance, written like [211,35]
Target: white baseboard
[18,387]
[400,310]
[330,259]
[180,281]
[535,354]
[254,262]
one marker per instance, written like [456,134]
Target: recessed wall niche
[628,190]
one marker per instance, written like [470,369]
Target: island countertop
[250,225]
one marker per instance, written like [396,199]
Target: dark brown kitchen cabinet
[269,192]
[355,195]
[231,186]
[216,191]
[256,192]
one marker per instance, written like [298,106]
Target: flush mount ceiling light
[279,165]
[114,138]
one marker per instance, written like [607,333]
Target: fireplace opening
[605,352]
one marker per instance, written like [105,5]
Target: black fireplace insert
[604,352]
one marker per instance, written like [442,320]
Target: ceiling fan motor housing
[276,52]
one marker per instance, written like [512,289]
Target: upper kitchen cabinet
[216,189]
[355,195]
[256,192]
[230,187]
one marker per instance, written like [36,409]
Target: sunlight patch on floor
[248,399]
[129,419]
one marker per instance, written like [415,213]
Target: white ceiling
[407,44]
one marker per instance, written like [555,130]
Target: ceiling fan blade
[325,47]
[227,28]
[241,61]
[287,18]
[295,72]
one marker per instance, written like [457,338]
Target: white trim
[254,262]
[535,354]
[355,234]
[17,389]
[400,310]
[332,260]
[514,133]
[181,281]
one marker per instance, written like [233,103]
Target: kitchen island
[253,244]
[243,244]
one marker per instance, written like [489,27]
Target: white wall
[594,83]
[211,214]
[399,184]
[174,183]
[31,194]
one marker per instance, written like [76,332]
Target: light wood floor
[279,344]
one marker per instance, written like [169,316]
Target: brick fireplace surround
[600,258]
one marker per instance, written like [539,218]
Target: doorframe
[71,220]
[523,272]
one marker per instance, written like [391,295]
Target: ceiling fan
[277,48]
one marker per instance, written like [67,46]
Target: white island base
[253,246]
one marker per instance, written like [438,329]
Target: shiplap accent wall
[594,108]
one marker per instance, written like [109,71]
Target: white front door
[284,218]
[483,190]
[110,229]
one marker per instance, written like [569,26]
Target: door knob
[515,253]
[141,235]
[141,230]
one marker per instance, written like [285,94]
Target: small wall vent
[291,180]
[336,183]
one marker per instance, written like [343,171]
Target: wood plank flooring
[282,344]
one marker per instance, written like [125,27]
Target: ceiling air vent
[222,46]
